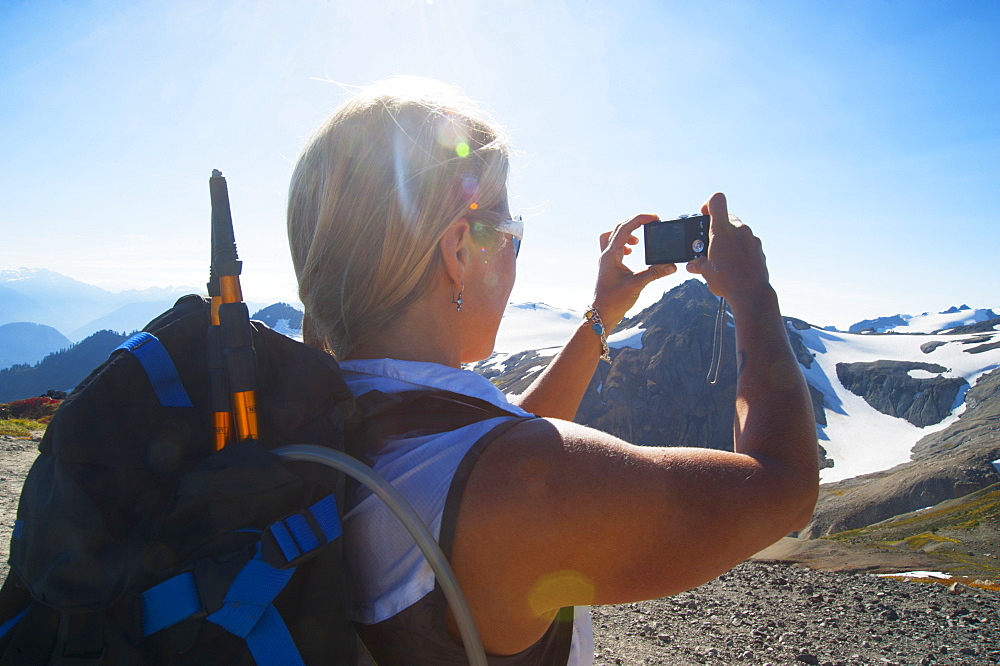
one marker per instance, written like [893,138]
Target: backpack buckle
[297,537]
[213,577]
[81,638]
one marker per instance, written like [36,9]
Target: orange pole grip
[245,412]
[229,285]
[222,430]
[216,302]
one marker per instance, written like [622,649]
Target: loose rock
[766,613]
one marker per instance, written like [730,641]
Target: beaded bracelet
[594,317]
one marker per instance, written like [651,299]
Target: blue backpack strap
[160,369]
[17,533]
[9,624]
[294,538]
[248,612]
[248,607]
[170,602]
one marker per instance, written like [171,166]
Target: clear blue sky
[858,138]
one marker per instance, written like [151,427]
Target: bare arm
[773,408]
[558,390]
[556,514]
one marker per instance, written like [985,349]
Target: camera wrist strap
[720,331]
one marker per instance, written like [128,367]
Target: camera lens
[698,245]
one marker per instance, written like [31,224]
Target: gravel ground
[764,613]
[16,456]
[759,613]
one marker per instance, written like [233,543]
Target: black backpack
[137,542]
[146,533]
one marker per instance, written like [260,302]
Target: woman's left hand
[618,287]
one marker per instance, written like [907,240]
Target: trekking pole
[219,390]
[231,356]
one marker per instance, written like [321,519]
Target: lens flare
[405,184]
[470,189]
[452,135]
[551,589]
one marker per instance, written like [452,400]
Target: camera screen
[665,242]
[667,238]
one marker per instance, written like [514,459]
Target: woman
[405,252]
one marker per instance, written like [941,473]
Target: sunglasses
[514,228]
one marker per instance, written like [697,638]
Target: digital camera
[676,241]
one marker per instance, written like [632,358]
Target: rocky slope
[947,464]
[891,388]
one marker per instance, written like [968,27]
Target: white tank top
[389,573]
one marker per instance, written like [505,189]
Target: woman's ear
[455,255]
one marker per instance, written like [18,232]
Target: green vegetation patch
[965,513]
[19,427]
[918,541]
[955,535]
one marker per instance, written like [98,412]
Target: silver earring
[457,301]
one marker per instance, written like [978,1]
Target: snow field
[857,437]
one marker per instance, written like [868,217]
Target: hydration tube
[413,524]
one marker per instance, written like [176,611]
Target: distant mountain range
[928,322]
[60,371]
[77,309]
[29,343]
[69,311]
[64,369]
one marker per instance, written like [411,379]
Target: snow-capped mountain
[534,326]
[282,318]
[875,395]
[928,322]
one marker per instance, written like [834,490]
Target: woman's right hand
[618,287]
[734,268]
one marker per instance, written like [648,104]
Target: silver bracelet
[594,317]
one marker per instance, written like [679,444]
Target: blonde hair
[374,190]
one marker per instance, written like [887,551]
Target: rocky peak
[272,314]
[631,396]
[892,388]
